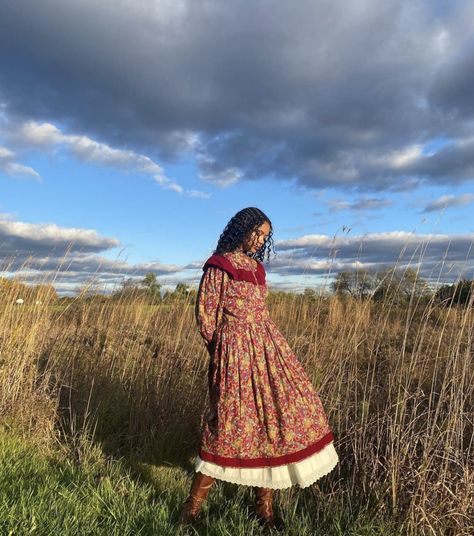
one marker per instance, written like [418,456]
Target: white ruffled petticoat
[303,473]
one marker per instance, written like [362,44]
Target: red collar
[238,274]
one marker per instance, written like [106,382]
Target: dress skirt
[264,424]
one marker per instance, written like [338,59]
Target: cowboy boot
[264,504]
[199,490]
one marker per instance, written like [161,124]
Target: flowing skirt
[264,424]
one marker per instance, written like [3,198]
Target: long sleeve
[210,293]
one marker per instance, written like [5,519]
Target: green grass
[52,492]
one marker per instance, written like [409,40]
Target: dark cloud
[322,92]
[439,257]
[452,89]
[453,163]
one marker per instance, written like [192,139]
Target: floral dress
[264,424]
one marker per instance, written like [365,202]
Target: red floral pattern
[262,408]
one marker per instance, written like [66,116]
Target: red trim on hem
[238,274]
[265,462]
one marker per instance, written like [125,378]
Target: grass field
[100,408]
[49,492]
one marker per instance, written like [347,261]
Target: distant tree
[459,293]
[130,290]
[88,289]
[66,300]
[399,285]
[182,289]
[153,288]
[356,283]
[192,295]
[309,293]
[180,292]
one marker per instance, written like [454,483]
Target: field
[100,406]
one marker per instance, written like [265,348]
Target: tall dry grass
[397,384]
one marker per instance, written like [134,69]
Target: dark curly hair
[240,227]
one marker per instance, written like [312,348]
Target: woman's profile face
[257,238]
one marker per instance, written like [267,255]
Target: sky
[131,132]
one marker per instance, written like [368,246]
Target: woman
[264,425]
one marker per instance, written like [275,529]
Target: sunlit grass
[48,492]
[117,389]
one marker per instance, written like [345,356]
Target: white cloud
[198,193]
[40,235]
[224,178]
[9,166]
[66,256]
[40,134]
[405,156]
[389,236]
[43,135]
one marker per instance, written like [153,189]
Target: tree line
[399,286]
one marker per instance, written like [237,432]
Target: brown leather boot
[199,490]
[264,504]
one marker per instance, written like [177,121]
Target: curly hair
[239,229]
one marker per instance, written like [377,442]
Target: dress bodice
[244,286]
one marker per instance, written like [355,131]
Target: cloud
[10,167]
[452,88]
[7,216]
[198,193]
[45,135]
[452,163]
[364,203]
[439,257]
[67,256]
[323,93]
[222,178]
[86,149]
[446,201]
[23,239]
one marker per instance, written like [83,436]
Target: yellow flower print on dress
[272,433]
[307,421]
[248,427]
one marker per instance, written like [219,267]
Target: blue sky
[141,153]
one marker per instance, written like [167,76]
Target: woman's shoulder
[236,268]
[220,261]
